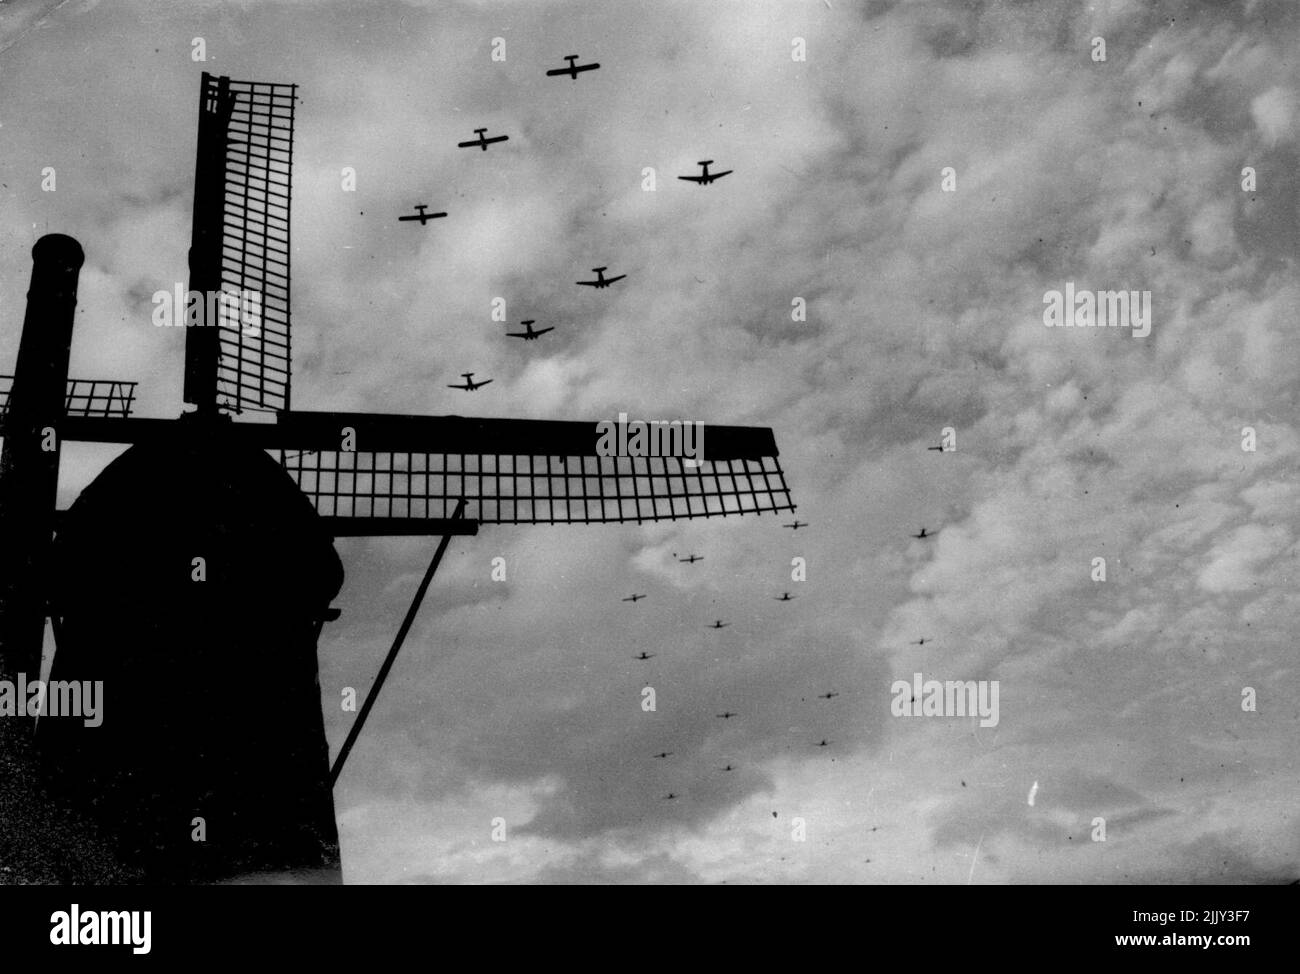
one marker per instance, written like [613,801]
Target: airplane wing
[611,280]
[588,283]
[520,334]
[556,72]
[587,67]
[692,179]
[459,387]
[479,385]
[719,175]
[543,331]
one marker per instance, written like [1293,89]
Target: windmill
[194,575]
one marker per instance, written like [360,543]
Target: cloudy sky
[519,699]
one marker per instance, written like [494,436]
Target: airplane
[937,449]
[783,597]
[827,695]
[824,743]
[719,624]
[470,385]
[573,69]
[601,280]
[727,715]
[421,216]
[924,534]
[706,177]
[796,525]
[729,767]
[529,335]
[482,142]
[669,797]
[691,560]
[662,754]
[645,655]
[633,597]
[922,641]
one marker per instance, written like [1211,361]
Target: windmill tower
[211,761]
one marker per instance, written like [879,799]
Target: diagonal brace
[355,731]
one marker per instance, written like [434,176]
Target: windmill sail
[408,469]
[84,397]
[240,246]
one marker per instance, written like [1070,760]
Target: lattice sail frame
[253,368]
[85,397]
[535,489]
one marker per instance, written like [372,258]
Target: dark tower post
[29,465]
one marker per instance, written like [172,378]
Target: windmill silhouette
[194,575]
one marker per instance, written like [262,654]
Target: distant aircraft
[645,655]
[470,385]
[482,142]
[706,177]
[633,597]
[529,335]
[923,534]
[783,597]
[573,69]
[719,624]
[421,216]
[729,768]
[601,280]
[827,695]
[662,754]
[796,525]
[824,743]
[669,797]
[692,559]
[727,715]
[937,449]
[922,641]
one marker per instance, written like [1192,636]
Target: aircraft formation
[482,141]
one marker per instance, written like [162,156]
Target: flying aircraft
[923,534]
[601,280]
[633,597]
[827,695]
[719,624]
[727,715]
[470,385]
[729,767]
[669,797]
[482,142]
[824,743]
[529,335]
[662,754]
[796,525]
[783,597]
[573,69]
[937,449]
[922,641]
[706,177]
[645,655]
[421,216]
[692,559]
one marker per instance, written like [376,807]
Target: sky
[510,744]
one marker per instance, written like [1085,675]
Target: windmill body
[194,575]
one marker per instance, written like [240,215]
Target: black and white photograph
[700,442]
